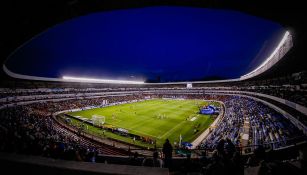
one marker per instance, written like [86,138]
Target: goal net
[98,120]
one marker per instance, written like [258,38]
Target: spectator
[167,151]
[230,148]
[220,147]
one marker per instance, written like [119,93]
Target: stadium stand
[27,125]
[262,130]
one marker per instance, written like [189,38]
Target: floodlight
[96,80]
[286,40]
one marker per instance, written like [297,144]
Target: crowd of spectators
[263,125]
[26,132]
[30,129]
[292,88]
[224,160]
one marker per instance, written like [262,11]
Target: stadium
[153,87]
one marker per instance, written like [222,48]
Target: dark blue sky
[175,43]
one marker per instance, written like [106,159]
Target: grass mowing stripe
[172,129]
[145,118]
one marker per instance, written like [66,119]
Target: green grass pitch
[157,119]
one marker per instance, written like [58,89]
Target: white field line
[171,129]
[194,118]
[206,133]
[132,128]
[159,137]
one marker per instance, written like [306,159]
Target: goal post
[98,120]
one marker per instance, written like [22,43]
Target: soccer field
[157,119]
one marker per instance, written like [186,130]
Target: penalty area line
[171,130]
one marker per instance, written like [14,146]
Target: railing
[198,152]
[37,165]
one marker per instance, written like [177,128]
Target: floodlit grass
[157,119]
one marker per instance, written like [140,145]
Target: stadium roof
[268,13]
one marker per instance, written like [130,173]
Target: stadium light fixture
[257,71]
[96,80]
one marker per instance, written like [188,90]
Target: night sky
[173,43]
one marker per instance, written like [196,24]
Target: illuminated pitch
[155,120]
